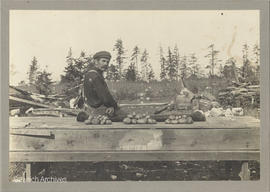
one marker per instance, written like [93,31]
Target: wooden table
[50,139]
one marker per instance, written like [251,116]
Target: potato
[143,115]
[142,121]
[147,117]
[180,117]
[138,116]
[174,122]
[108,122]
[127,120]
[168,121]
[103,122]
[172,117]
[182,121]
[134,121]
[130,116]
[184,116]
[134,114]
[88,121]
[95,121]
[154,121]
[149,121]
[189,120]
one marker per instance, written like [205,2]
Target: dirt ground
[137,171]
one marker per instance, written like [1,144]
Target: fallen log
[25,101]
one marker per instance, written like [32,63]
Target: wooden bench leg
[245,173]
[27,173]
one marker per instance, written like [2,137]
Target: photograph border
[261,185]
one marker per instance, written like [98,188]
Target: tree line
[40,79]
[136,67]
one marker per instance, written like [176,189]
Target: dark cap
[102,54]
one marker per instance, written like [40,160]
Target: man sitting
[96,98]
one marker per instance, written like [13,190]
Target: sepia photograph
[134,95]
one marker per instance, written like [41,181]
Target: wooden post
[28,172]
[245,173]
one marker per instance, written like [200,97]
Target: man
[96,97]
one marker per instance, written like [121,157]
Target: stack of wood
[240,95]
[23,103]
[35,97]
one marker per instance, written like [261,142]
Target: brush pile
[240,95]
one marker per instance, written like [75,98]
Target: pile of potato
[98,120]
[179,119]
[139,119]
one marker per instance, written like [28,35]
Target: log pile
[240,95]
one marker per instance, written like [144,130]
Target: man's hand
[110,111]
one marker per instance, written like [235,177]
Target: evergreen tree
[176,61]
[44,82]
[256,51]
[230,71]
[81,64]
[162,62]
[144,65]
[131,72]
[151,74]
[171,66]
[120,52]
[147,73]
[246,62]
[33,71]
[135,59]
[75,69]
[69,71]
[193,65]
[183,67]
[213,59]
[113,73]
[248,73]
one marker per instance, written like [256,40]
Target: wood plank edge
[133,156]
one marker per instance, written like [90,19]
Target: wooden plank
[245,173]
[135,139]
[132,156]
[28,102]
[71,123]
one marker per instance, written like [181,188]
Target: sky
[48,35]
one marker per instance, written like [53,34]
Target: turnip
[95,121]
[168,121]
[189,120]
[174,121]
[182,121]
[142,121]
[108,122]
[127,120]
[134,121]
[88,122]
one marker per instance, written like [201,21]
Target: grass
[162,90]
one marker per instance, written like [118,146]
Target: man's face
[102,64]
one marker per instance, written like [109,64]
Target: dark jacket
[95,90]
